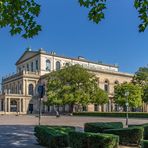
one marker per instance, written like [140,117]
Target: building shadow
[18,136]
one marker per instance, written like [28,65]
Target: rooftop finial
[28,49]
[41,50]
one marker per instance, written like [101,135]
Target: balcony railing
[19,74]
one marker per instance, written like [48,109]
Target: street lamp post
[127,105]
[41,91]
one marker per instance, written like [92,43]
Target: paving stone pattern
[18,131]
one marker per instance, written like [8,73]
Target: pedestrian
[57,114]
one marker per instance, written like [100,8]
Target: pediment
[26,55]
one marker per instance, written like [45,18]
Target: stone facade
[19,91]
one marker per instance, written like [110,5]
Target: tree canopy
[97,8]
[20,15]
[145,94]
[74,85]
[134,97]
[141,78]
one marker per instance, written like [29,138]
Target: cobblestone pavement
[63,120]
[17,131]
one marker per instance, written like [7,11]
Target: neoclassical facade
[19,91]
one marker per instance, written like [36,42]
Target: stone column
[5,105]
[8,104]
[99,108]
[109,106]
[24,109]
[20,105]
[104,107]
[146,107]
[90,108]
[0,105]
[24,87]
[113,107]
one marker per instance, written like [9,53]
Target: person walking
[57,114]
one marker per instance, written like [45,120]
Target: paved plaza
[17,131]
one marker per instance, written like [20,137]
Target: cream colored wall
[29,61]
[27,82]
[53,59]
[111,75]
[15,87]
[111,78]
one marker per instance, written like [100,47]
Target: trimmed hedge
[145,126]
[99,127]
[93,140]
[128,136]
[53,136]
[113,114]
[144,144]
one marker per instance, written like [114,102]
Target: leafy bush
[113,114]
[128,136]
[144,144]
[99,127]
[145,126]
[93,140]
[53,136]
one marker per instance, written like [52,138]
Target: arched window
[116,82]
[48,65]
[124,82]
[30,89]
[67,64]
[58,65]
[106,86]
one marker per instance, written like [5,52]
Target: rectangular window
[27,67]
[19,69]
[84,108]
[96,107]
[37,65]
[32,66]
[106,88]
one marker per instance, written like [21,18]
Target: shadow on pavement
[18,136]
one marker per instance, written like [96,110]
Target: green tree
[72,85]
[134,98]
[96,10]
[100,97]
[141,78]
[145,94]
[20,15]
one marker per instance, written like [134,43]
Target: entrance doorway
[30,108]
[13,106]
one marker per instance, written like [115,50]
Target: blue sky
[67,31]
